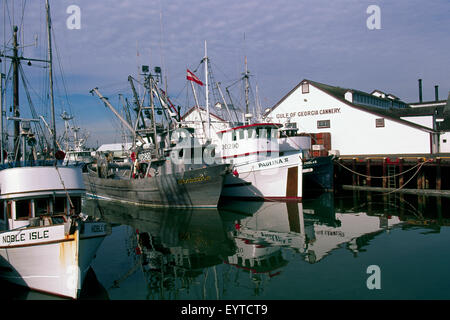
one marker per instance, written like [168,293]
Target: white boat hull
[47,259]
[274,179]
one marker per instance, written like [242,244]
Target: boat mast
[50,73]
[15,61]
[1,118]
[208,119]
[246,88]
[152,106]
[126,124]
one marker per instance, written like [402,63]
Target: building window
[323,124]
[379,123]
[305,87]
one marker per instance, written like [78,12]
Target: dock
[419,174]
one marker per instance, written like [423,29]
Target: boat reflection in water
[311,229]
[225,253]
[170,250]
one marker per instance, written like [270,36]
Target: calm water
[318,249]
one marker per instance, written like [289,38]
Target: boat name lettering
[194,180]
[230,146]
[331,233]
[145,156]
[35,235]
[308,113]
[98,228]
[273,162]
[276,238]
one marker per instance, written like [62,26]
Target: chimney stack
[436,93]
[420,90]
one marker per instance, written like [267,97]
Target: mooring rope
[401,187]
[383,177]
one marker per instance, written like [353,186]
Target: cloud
[285,41]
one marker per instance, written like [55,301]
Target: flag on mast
[192,77]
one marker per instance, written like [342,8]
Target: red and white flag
[192,77]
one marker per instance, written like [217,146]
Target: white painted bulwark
[355,129]
[26,181]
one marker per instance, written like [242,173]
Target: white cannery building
[359,123]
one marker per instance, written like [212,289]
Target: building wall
[426,121]
[444,142]
[193,120]
[352,131]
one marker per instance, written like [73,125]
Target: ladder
[392,184]
[391,172]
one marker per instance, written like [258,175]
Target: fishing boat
[166,166]
[75,149]
[252,148]
[318,169]
[46,243]
[259,172]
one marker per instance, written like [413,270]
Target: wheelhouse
[51,209]
[252,142]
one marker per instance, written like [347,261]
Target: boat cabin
[253,142]
[36,196]
[48,210]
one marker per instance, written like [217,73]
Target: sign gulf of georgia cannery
[308,113]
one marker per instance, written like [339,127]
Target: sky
[284,41]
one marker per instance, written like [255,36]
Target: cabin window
[8,209]
[274,133]
[2,204]
[41,206]
[251,133]
[59,205]
[234,136]
[241,134]
[322,124]
[76,202]
[305,87]
[379,123]
[23,209]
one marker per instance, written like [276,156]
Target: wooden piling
[438,174]
[368,179]
[419,177]
[384,173]
[401,178]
